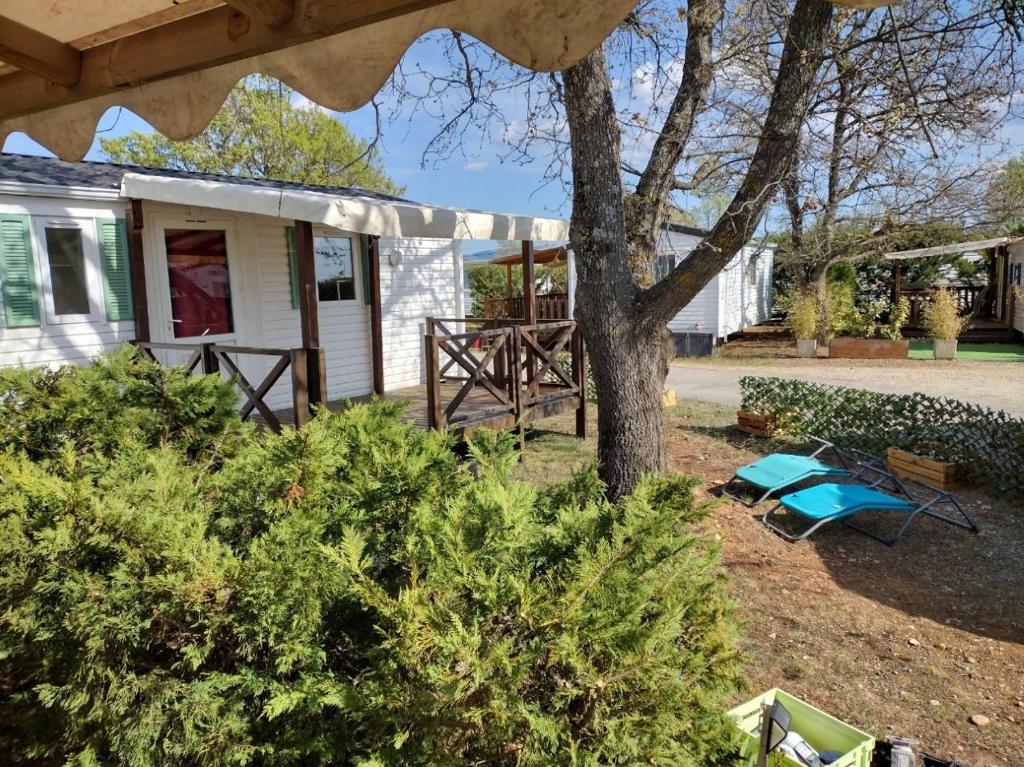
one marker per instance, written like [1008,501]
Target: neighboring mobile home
[343,280]
[739,296]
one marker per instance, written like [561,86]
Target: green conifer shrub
[348,594]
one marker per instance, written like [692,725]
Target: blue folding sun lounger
[781,470]
[831,502]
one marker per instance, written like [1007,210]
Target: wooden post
[435,416]
[136,253]
[529,289]
[309,318]
[208,359]
[300,386]
[376,329]
[508,281]
[579,377]
[897,281]
[529,304]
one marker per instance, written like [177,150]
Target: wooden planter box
[868,349]
[752,423]
[944,476]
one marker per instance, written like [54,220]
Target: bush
[347,594]
[802,317]
[942,318]
[123,399]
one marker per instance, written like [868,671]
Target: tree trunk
[626,356]
[624,324]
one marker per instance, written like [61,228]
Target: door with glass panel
[199,292]
[72,285]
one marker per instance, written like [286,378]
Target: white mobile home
[249,278]
[739,296]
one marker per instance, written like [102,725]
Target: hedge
[989,444]
[178,589]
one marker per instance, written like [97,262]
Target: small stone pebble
[980,720]
[933,702]
[913,642]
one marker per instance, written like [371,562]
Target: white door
[198,290]
[343,313]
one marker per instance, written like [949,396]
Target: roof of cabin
[49,171]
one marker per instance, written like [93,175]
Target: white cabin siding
[701,314]
[423,284]
[744,291]
[48,344]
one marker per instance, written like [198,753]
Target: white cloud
[475,166]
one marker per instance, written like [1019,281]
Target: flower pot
[807,347]
[868,349]
[944,348]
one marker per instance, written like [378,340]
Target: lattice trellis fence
[989,444]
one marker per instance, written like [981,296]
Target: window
[70,271]
[69,281]
[197,267]
[335,274]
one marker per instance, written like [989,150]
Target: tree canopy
[261,133]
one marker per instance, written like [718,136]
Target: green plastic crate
[823,732]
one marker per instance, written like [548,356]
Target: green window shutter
[18,273]
[364,250]
[116,267]
[293,265]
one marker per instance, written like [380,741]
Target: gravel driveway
[998,385]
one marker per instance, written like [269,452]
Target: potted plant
[943,322]
[802,320]
[867,338]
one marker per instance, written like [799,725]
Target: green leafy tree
[1005,196]
[259,133]
[491,281]
[347,594]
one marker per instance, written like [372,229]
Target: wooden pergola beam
[191,44]
[38,55]
[270,13]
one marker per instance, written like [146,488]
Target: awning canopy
[63,63]
[351,212]
[559,254]
[958,247]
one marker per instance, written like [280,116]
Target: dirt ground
[913,640]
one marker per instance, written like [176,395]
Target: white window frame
[91,255]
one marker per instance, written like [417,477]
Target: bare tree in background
[668,106]
[906,97]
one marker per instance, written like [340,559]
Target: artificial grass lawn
[922,350]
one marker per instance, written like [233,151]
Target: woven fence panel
[989,444]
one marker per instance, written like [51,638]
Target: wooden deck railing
[966,300]
[216,359]
[505,372]
[550,306]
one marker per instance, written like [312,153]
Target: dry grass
[875,635]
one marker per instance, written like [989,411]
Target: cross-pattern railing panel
[218,359]
[505,371]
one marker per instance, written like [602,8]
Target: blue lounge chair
[781,470]
[831,502]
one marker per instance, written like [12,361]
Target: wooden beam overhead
[186,45]
[35,53]
[271,13]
